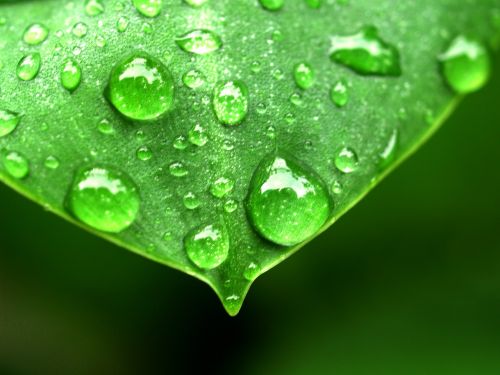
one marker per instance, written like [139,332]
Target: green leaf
[253,128]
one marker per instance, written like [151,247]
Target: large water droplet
[35,34]
[199,42]
[8,122]
[346,160]
[104,199]
[304,75]
[15,164]
[141,87]
[29,66]
[287,203]
[366,53]
[71,75]
[207,246]
[466,65]
[272,4]
[231,102]
[148,8]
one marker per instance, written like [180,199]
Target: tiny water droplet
[29,66]
[272,4]
[140,135]
[79,30]
[105,127]
[122,24]
[100,41]
[191,201]
[231,102]
[339,94]
[296,99]
[287,203]
[51,162]
[198,136]
[35,34]
[261,108]
[366,53]
[207,246]
[144,153]
[388,155]
[141,87]
[180,142]
[8,122]
[199,42]
[256,67]
[177,169]
[290,118]
[71,75]
[15,164]
[104,199]
[93,7]
[195,3]
[228,145]
[230,206]
[466,65]
[304,75]
[278,74]
[336,187]
[148,8]
[251,272]
[346,160]
[221,187]
[193,79]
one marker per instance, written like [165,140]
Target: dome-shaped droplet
[35,34]
[71,75]
[178,169]
[304,75]
[79,29]
[144,153]
[287,203]
[272,4]
[197,135]
[104,199]
[191,201]
[231,102]
[105,127]
[141,87]
[148,8]
[466,65]
[180,142]
[199,42]
[207,246]
[196,3]
[339,94]
[29,66]
[230,206]
[15,164]
[122,24]
[51,162]
[346,160]
[193,79]
[366,53]
[8,121]
[221,187]
[93,7]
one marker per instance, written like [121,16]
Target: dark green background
[407,283]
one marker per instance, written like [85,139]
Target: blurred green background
[406,283]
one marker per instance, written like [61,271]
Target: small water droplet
[51,162]
[191,201]
[251,272]
[207,246]
[8,122]
[177,169]
[35,34]
[366,53]
[144,153]
[122,24]
[141,87]
[104,199]
[228,145]
[339,94]
[261,108]
[304,75]
[100,41]
[198,136]
[256,67]
[29,66]
[388,155]
[346,160]
[221,187]
[148,8]
[15,164]
[180,142]
[105,127]
[193,79]
[195,3]
[287,203]
[71,75]
[93,7]
[336,187]
[466,65]
[231,102]
[272,4]
[230,206]
[296,99]
[200,42]
[314,4]
[278,74]
[79,30]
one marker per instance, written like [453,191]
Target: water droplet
[290,118]
[198,136]
[141,87]
[191,201]
[207,246]
[104,199]
[272,4]
[79,30]
[35,34]
[251,272]
[287,203]
[304,75]
[195,3]
[261,108]
[144,153]
[177,169]
[51,162]
[100,41]
[29,66]
[93,7]
[180,142]
[228,145]
[71,75]
[346,160]
[148,8]
[314,4]
[466,65]
[221,187]
[339,94]
[199,42]
[388,155]
[296,99]
[122,24]
[105,127]
[256,67]
[8,121]
[336,187]
[140,135]
[193,79]
[366,53]
[15,164]
[278,74]
[231,102]
[230,206]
